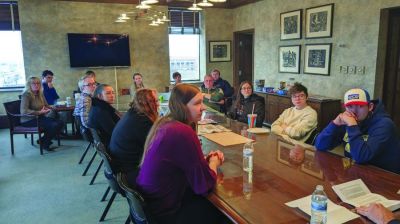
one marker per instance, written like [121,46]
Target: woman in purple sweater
[175,177]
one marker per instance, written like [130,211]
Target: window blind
[183,21]
[9,17]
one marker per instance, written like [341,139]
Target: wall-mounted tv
[95,50]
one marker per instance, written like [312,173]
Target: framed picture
[319,21]
[289,59]
[291,25]
[220,51]
[317,59]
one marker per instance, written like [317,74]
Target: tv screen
[94,50]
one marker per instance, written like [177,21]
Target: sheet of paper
[356,193]
[209,128]
[227,138]
[350,190]
[335,213]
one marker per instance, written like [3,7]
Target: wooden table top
[276,179]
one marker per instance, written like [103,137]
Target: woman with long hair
[137,83]
[174,176]
[129,135]
[33,102]
[247,102]
[103,116]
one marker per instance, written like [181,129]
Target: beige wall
[355,28]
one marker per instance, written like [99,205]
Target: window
[184,44]
[12,71]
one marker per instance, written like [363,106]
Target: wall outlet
[344,69]
[352,69]
[360,70]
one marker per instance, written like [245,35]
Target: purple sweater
[173,162]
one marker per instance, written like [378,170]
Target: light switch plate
[352,69]
[360,70]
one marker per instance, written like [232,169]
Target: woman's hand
[376,213]
[215,159]
[44,110]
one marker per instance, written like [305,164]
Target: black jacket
[103,117]
[127,141]
[246,106]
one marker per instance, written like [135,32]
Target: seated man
[49,91]
[213,97]
[366,130]
[297,122]
[87,85]
[222,84]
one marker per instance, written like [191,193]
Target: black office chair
[312,138]
[137,205]
[108,172]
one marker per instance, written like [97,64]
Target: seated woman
[246,101]
[174,176]
[137,83]
[297,122]
[34,103]
[102,116]
[129,135]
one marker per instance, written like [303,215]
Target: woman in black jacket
[102,116]
[129,136]
[244,103]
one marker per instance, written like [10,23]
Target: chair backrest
[135,200]
[13,110]
[95,135]
[313,136]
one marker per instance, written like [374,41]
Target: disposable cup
[251,120]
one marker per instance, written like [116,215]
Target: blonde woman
[174,176]
[33,102]
[137,83]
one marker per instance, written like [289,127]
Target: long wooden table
[277,180]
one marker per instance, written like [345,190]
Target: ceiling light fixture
[150,1]
[217,1]
[194,7]
[205,3]
[153,23]
[119,20]
[123,16]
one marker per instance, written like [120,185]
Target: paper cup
[251,120]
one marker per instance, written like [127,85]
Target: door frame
[236,55]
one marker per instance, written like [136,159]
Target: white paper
[209,128]
[357,194]
[335,214]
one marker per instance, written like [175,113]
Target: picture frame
[289,59]
[319,21]
[291,24]
[317,59]
[220,51]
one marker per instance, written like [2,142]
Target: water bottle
[319,206]
[247,185]
[248,157]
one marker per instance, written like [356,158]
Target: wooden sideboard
[326,108]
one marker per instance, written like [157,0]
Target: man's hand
[345,118]
[50,84]
[376,213]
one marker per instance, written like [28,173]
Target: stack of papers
[206,121]
[357,194]
[209,128]
[335,214]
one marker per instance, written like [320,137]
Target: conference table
[277,179]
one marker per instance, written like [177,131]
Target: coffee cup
[251,120]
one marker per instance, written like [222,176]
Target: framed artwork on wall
[291,25]
[319,21]
[317,59]
[219,51]
[289,59]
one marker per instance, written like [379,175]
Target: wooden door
[391,82]
[243,57]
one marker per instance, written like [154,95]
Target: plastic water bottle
[247,184]
[248,157]
[319,206]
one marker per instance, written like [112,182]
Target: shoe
[37,141]
[48,148]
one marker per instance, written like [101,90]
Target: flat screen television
[96,50]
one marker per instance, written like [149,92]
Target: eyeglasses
[246,88]
[90,84]
[299,96]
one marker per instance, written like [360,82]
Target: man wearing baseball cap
[367,131]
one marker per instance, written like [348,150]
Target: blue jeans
[50,126]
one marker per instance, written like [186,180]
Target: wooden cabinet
[326,108]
